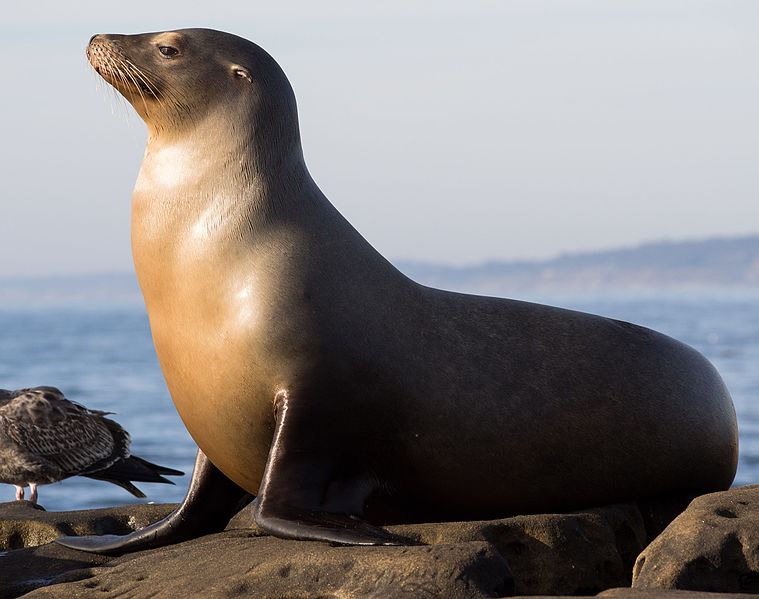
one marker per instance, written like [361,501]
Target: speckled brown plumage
[45,438]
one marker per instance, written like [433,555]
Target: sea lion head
[176,80]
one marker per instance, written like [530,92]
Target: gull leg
[19,492]
[33,492]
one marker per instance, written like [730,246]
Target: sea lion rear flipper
[294,502]
[210,503]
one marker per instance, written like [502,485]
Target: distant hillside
[729,262]
[708,264]
[87,290]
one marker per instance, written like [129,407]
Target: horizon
[461,135]
[722,268]
[464,266]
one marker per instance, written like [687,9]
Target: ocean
[103,357]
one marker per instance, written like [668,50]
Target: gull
[45,438]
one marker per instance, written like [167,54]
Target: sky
[452,132]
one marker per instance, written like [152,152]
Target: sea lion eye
[168,51]
[242,73]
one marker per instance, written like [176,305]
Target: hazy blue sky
[445,131]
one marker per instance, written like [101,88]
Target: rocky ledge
[712,546]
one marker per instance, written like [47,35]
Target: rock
[24,524]
[665,594]
[626,593]
[27,569]
[236,564]
[580,553]
[577,554]
[712,546]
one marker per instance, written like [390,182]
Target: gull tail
[126,470]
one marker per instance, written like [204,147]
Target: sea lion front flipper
[306,525]
[211,501]
[294,498]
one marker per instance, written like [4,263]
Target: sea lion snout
[113,57]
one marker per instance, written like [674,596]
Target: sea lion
[343,395]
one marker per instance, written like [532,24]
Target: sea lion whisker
[119,78]
[149,85]
[149,79]
[177,101]
[115,72]
[133,83]
[136,85]
[178,98]
[100,89]
[104,70]
[159,92]
[129,73]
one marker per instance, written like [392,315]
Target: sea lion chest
[208,317]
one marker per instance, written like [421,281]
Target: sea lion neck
[220,160]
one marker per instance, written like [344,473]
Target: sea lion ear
[241,73]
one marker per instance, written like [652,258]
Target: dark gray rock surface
[581,553]
[22,524]
[24,570]
[627,593]
[238,564]
[712,546]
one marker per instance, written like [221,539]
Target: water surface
[104,358]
